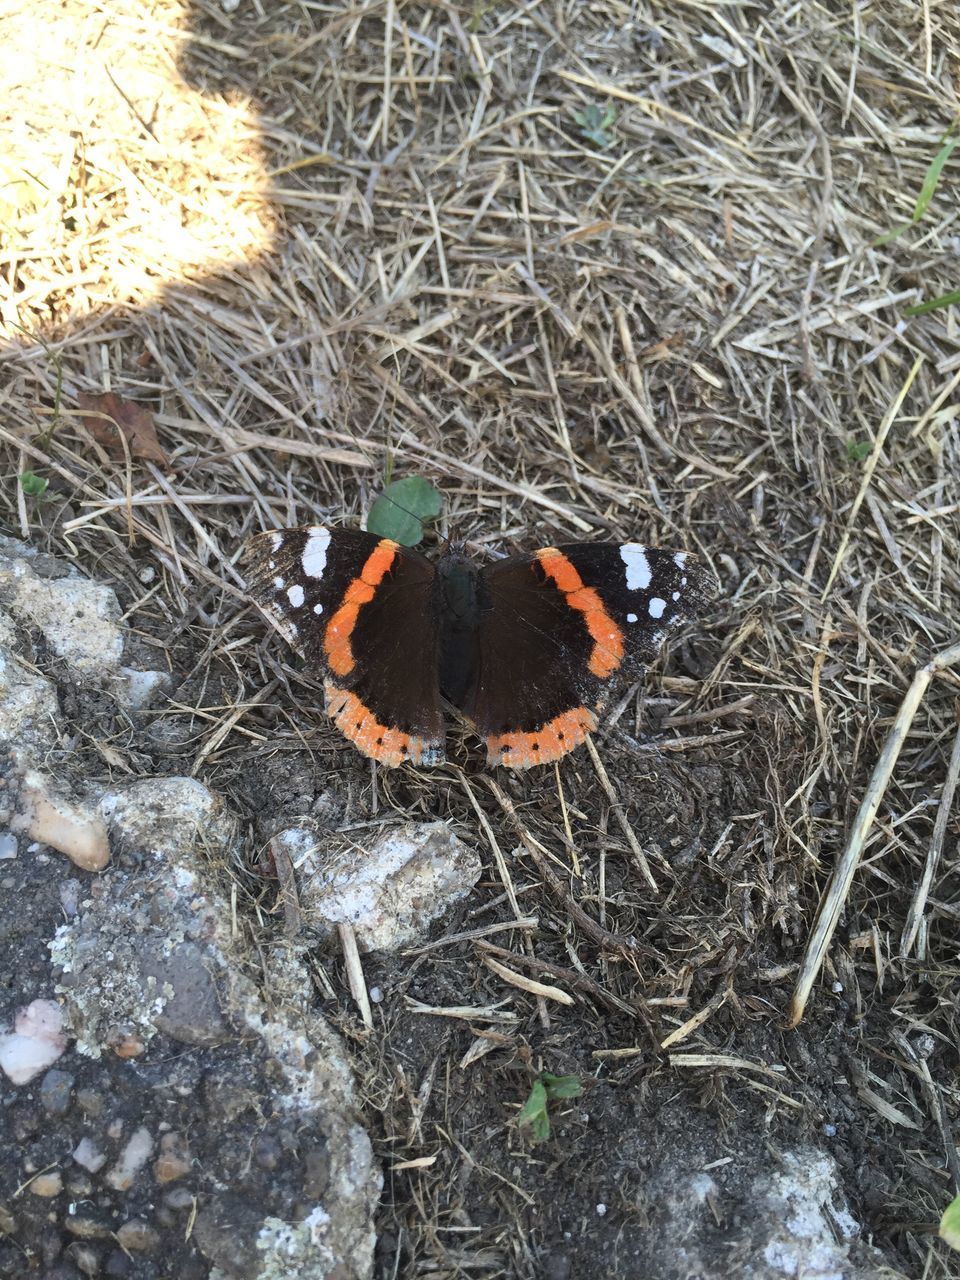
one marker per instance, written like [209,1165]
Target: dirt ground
[601,272]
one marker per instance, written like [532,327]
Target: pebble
[70,897]
[138,1236]
[66,825]
[79,1186]
[125,1042]
[36,1042]
[174,1159]
[90,1101]
[86,1226]
[179,1198]
[55,1089]
[8,845]
[89,1156]
[47,1184]
[132,1159]
[87,1260]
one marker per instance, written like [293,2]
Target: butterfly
[526,648]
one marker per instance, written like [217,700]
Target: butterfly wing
[557,628]
[362,610]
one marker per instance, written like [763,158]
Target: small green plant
[857,450]
[33,486]
[401,509]
[927,191]
[950,1224]
[594,122]
[546,1089]
[933,304]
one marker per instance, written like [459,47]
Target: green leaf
[927,192]
[400,510]
[945,300]
[534,1112]
[857,450]
[561,1086]
[594,122]
[950,1224]
[932,178]
[33,485]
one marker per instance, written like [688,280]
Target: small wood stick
[545,990]
[933,853]
[868,471]
[846,867]
[501,861]
[358,985]
[621,817]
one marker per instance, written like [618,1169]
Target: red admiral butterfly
[526,648]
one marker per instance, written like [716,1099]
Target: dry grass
[323,241]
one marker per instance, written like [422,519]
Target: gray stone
[152,950]
[391,889]
[191,1013]
[55,1090]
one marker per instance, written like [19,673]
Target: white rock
[89,1156]
[36,1042]
[809,1229]
[79,619]
[140,688]
[168,816]
[391,890]
[29,711]
[132,1159]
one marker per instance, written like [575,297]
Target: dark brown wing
[558,627]
[361,609]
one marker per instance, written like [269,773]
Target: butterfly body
[526,648]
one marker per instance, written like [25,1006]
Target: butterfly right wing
[559,628]
[361,609]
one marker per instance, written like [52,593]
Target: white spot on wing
[680,559]
[631,617]
[634,556]
[318,608]
[278,583]
[314,557]
[656,607]
[276,540]
[675,596]
[295,595]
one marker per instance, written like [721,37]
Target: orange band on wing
[607,653]
[549,742]
[336,638]
[390,746]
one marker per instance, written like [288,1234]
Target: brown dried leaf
[108,414]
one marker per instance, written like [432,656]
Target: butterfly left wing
[360,609]
[557,628]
